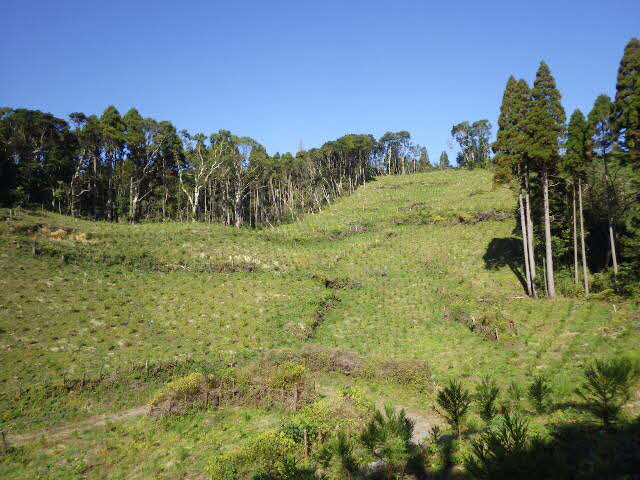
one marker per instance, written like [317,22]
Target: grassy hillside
[412,279]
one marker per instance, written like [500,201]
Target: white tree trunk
[532,258]
[547,237]
[585,271]
[576,272]
[525,244]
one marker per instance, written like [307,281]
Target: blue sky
[286,71]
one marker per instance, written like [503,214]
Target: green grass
[412,272]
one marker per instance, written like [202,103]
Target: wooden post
[306,442]
[206,400]
[5,445]
[146,368]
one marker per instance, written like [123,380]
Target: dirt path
[423,422]
[56,433]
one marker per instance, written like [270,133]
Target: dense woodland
[577,183]
[129,168]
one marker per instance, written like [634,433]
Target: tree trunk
[532,258]
[612,241]
[585,272]
[238,207]
[576,273]
[547,236]
[110,199]
[525,244]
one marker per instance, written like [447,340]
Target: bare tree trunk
[532,258]
[576,273]
[585,272]
[547,237]
[110,200]
[238,207]
[525,243]
[612,241]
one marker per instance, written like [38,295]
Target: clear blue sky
[285,71]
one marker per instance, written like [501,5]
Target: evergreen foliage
[606,387]
[454,401]
[487,392]
[538,392]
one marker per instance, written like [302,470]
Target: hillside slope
[414,274]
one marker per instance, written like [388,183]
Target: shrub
[566,284]
[269,453]
[454,400]
[487,392]
[289,373]
[358,397]
[388,437]
[515,394]
[338,458]
[606,387]
[502,453]
[539,392]
[181,388]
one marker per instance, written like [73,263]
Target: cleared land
[411,276]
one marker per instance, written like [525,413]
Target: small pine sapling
[487,392]
[514,393]
[502,452]
[454,401]
[606,387]
[539,392]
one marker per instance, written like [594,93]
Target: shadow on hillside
[505,251]
[573,451]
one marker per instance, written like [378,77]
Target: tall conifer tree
[510,159]
[601,141]
[574,165]
[545,129]
[627,104]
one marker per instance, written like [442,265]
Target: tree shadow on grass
[505,251]
[578,450]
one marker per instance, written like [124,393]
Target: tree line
[578,184]
[130,168]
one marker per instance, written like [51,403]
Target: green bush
[267,454]
[454,401]
[388,438]
[288,373]
[181,388]
[502,453]
[606,387]
[515,395]
[539,392]
[566,284]
[337,457]
[487,392]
